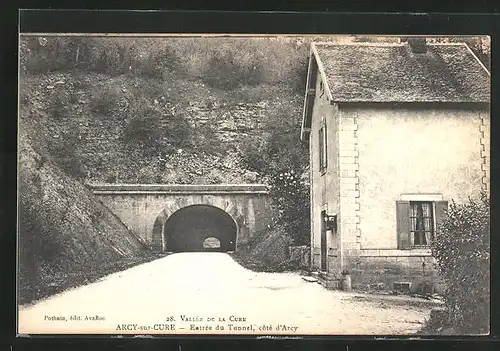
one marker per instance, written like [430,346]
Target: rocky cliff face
[90,140]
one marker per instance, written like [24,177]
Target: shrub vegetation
[463,255]
[150,127]
[104,100]
[58,107]
[291,197]
[283,159]
[64,154]
[224,63]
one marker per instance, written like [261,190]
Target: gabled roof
[367,72]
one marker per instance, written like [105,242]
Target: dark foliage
[226,73]
[158,133]
[204,137]
[29,237]
[113,56]
[279,149]
[104,100]
[221,63]
[59,106]
[301,81]
[64,154]
[291,197]
[462,250]
[40,251]
[284,160]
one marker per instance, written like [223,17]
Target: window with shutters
[417,222]
[322,149]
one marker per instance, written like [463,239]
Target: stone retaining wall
[379,270]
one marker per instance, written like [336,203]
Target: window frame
[323,148]
[432,221]
[403,222]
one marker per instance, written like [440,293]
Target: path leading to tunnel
[196,292]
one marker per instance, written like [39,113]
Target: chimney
[418,45]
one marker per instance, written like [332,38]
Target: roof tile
[393,73]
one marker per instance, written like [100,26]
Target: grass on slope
[66,235]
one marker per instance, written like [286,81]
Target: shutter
[441,208]
[320,143]
[325,146]
[403,224]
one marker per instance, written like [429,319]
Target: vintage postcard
[253,185]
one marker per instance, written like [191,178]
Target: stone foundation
[379,270]
[327,280]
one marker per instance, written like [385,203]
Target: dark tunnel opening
[200,228]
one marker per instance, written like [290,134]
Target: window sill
[419,251]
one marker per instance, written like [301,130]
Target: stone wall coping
[215,189]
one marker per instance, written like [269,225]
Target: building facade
[396,132]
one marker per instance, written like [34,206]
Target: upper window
[421,223]
[322,149]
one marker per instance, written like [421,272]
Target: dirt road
[210,293]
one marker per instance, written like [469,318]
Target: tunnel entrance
[211,244]
[200,228]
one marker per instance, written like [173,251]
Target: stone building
[396,131]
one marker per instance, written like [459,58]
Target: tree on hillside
[283,160]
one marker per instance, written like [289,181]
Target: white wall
[404,150]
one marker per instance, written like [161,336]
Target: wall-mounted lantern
[330,221]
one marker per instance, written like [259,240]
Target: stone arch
[158,235]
